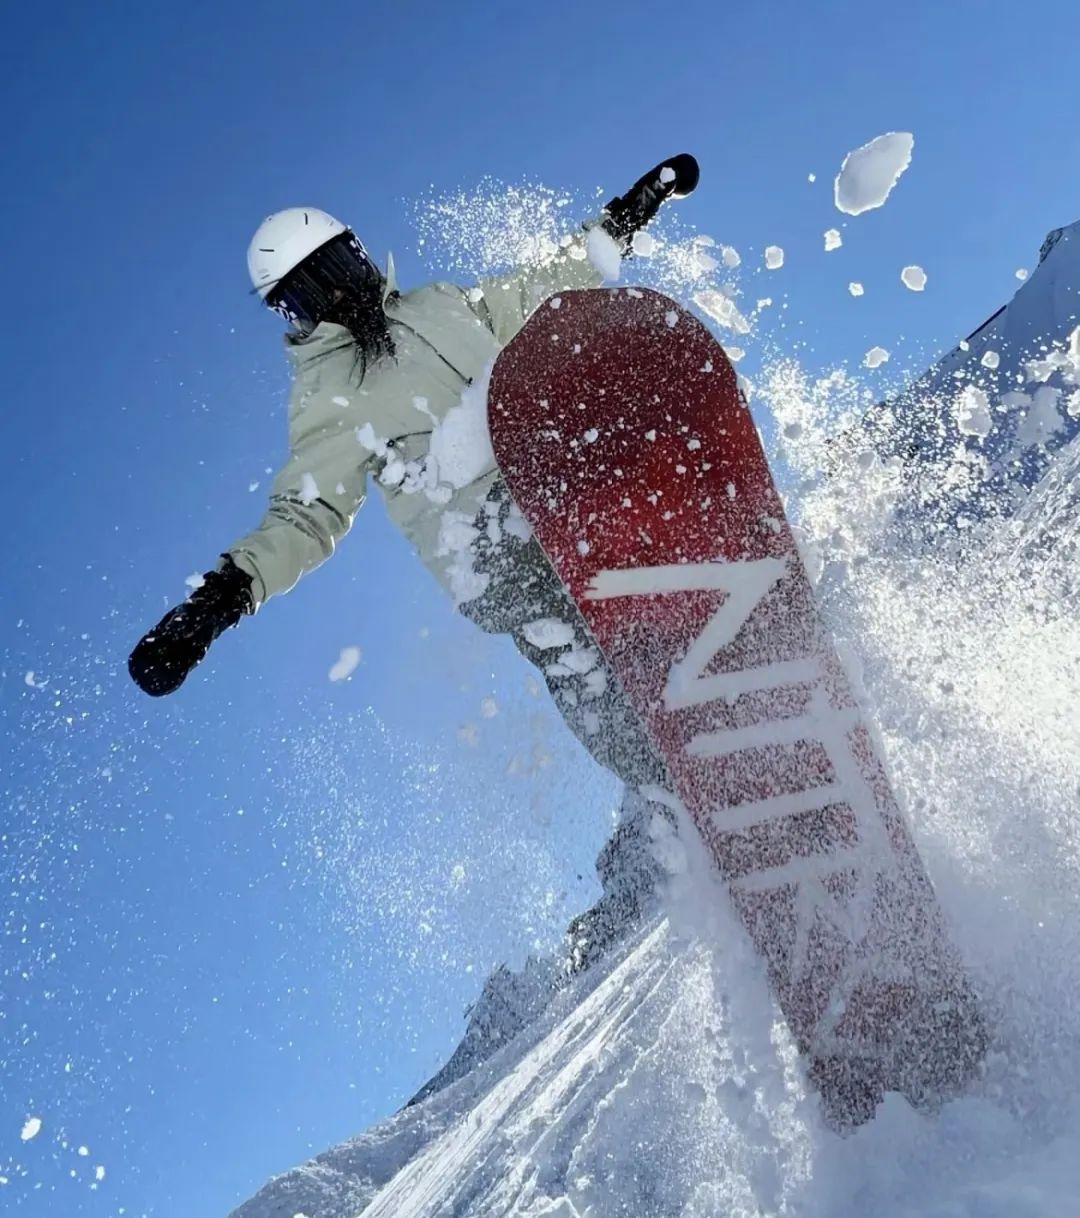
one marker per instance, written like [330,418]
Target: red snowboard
[618,425]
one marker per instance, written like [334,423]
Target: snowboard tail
[619,427]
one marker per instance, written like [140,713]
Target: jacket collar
[390,286]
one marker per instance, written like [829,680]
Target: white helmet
[284,240]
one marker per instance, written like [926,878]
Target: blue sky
[240,925]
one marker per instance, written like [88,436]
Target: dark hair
[337,283]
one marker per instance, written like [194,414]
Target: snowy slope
[664,1091]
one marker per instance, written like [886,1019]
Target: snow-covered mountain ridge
[979,429]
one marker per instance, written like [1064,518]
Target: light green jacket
[345,426]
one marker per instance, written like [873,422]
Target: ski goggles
[312,292]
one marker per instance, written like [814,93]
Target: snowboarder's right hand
[674,178]
[163,658]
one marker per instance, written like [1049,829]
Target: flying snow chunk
[548,632]
[875,357]
[722,310]
[194,582]
[990,359]
[774,257]
[309,490]
[667,174]
[643,244]
[31,1129]
[972,412]
[346,664]
[604,253]
[856,289]
[1021,274]
[868,174]
[701,262]
[460,441]
[729,255]
[833,240]
[913,277]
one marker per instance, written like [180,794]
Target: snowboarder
[377,372]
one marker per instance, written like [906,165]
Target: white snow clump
[345,665]
[913,277]
[833,240]
[460,441]
[722,310]
[309,490]
[548,632]
[774,257]
[972,412]
[604,253]
[875,357]
[868,174]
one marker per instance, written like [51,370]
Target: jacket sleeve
[313,500]
[507,301]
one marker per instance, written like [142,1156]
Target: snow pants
[525,599]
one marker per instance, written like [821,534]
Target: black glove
[164,657]
[674,178]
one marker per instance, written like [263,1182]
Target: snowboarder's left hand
[163,658]
[674,178]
